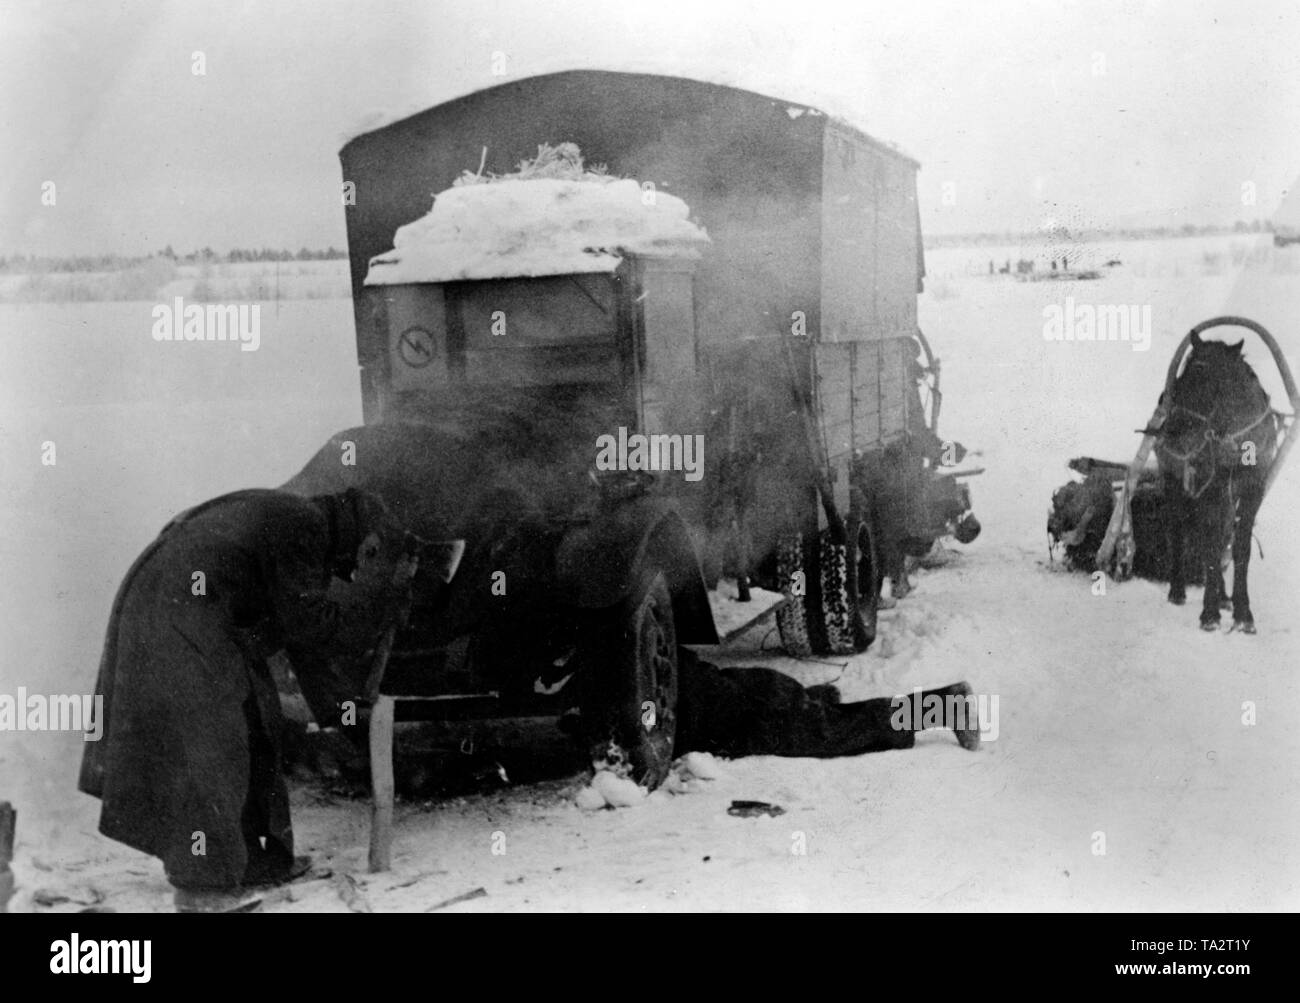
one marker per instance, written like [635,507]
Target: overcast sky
[1100,113]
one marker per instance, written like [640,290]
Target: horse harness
[1227,446]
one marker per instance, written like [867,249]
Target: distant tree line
[1087,235]
[40,264]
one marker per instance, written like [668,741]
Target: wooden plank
[867,379]
[382,712]
[836,404]
[893,420]
[896,374]
[833,360]
[381,784]
[476,893]
[839,438]
[8,821]
[867,430]
[866,395]
[896,251]
[836,381]
[893,388]
[526,367]
[835,395]
[668,323]
[851,214]
[853,393]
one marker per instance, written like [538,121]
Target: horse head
[1216,394]
[1211,367]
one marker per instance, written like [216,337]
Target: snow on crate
[551,217]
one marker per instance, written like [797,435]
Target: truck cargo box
[813,223]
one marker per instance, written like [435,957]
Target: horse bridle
[1225,443]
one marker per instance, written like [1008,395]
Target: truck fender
[597,563]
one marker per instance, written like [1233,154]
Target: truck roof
[380,120]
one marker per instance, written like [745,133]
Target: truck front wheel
[630,704]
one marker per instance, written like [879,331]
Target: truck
[620,424]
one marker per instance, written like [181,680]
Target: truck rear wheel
[866,578]
[836,616]
[792,618]
[630,703]
[846,576]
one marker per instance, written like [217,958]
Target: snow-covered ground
[1120,725]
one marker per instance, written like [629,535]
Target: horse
[1214,448]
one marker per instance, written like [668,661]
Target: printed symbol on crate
[416,347]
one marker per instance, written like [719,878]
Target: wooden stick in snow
[8,818]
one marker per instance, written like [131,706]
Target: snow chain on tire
[826,619]
[792,618]
[838,599]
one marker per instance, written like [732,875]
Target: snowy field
[1117,716]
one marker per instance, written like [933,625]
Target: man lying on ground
[762,712]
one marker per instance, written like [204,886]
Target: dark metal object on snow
[754,809]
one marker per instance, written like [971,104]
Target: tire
[837,598]
[844,567]
[631,700]
[835,615]
[865,585]
[792,618]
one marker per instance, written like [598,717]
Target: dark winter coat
[188,768]
[763,712]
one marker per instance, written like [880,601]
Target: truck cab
[619,346]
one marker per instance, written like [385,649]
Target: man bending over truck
[189,765]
